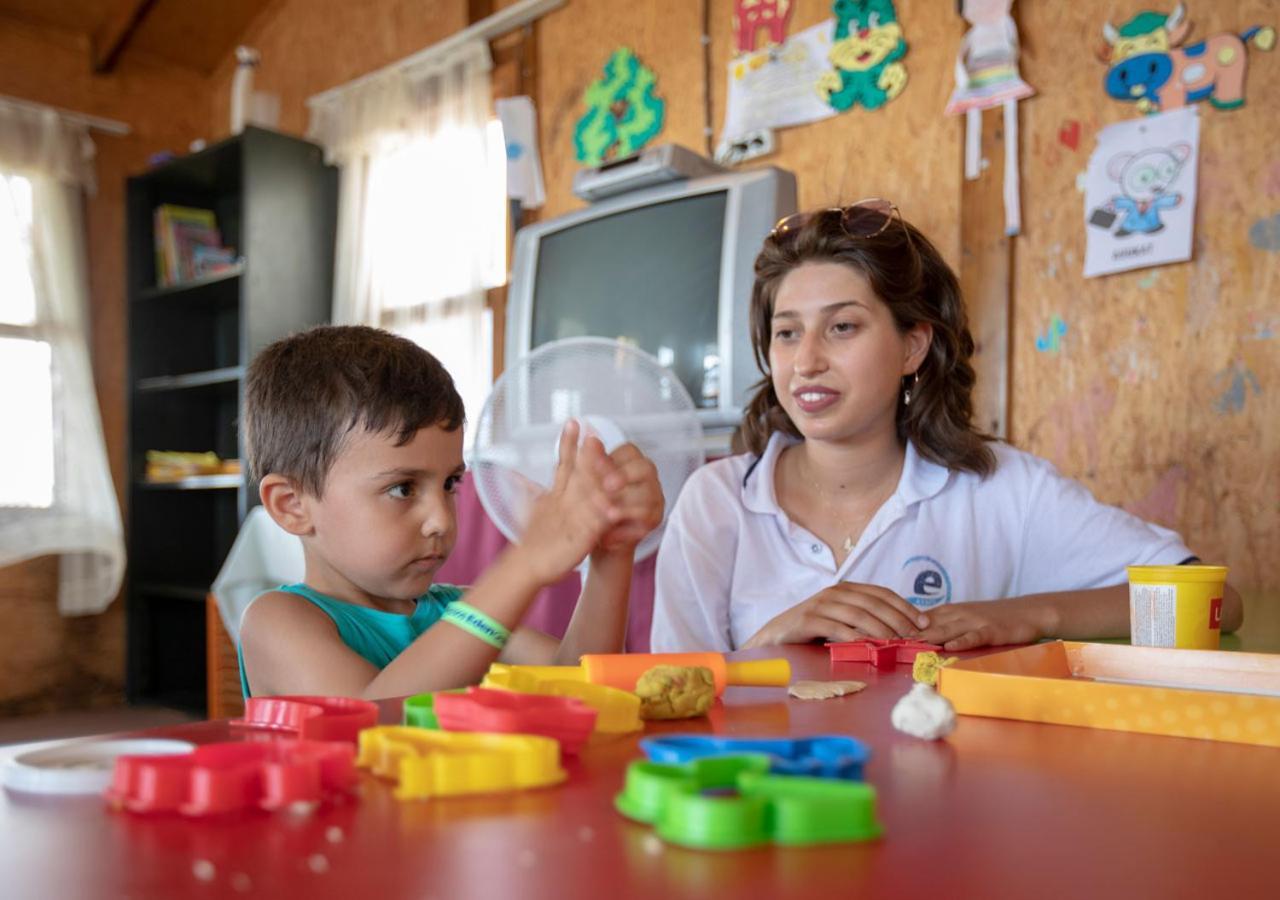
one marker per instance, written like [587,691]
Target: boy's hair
[909,275]
[305,393]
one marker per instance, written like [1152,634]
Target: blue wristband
[471,620]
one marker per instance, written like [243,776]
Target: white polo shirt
[731,560]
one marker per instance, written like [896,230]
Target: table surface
[999,809]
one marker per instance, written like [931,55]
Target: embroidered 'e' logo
[928,582]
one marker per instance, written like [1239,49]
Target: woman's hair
[908,274]
[305,394]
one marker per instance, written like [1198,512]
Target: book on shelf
[188,245]
[170,465]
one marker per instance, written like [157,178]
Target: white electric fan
[615,390]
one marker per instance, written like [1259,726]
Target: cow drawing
[1152,65]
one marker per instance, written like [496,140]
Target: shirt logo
[928,583]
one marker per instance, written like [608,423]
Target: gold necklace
[847,546]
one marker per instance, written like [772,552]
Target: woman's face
[836,356]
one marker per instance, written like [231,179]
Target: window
[26,379]
[437,240]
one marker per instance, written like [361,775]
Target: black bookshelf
[189,344]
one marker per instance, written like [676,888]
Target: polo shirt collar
[920,479]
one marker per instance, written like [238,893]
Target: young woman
[868,504]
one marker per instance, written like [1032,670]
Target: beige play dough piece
[824,690]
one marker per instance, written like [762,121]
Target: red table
[1000,809]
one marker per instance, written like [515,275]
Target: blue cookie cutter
[815,757]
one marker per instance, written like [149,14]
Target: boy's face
[387,520]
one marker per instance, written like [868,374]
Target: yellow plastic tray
[1211,694]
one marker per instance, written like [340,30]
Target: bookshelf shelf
[195,483]
[272,199]
[224,375]
[184,592]
[193,285]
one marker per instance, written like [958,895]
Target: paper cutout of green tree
[623,113]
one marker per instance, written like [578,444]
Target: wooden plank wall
[905,151]
[1164,393]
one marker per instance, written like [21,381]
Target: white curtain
[56,495]
[422,207]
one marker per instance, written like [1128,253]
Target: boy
[355,435]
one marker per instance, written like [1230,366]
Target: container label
[1153,614]
[1215,613]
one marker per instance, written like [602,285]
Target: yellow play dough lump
[675,692]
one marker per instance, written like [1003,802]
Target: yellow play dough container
[1176,606]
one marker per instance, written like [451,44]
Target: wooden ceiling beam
[113,37]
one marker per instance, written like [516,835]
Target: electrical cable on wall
[706,77]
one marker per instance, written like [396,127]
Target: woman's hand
[964,626]
[843,612]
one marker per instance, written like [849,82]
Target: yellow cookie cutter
[452,763]
[617,711]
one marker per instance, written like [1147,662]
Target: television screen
[649,276]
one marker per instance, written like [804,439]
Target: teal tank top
[375,634]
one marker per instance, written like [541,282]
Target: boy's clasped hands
[598,503]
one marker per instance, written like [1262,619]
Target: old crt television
[667,268]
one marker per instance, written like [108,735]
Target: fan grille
[514,455]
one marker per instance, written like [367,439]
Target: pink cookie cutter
[310,718]
[229,777]
[882,653]
[567,719]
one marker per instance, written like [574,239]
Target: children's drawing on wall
[1265,234]
[987,76]
[623,111]
[1140,193]
[826,69]
[1151,65]
[774,88]
[751,16]
[1051,340]
[524,166]
[865,51]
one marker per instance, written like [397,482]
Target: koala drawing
[1145,178]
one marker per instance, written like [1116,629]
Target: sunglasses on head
[864,219]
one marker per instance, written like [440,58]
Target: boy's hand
[569,519]
[843,612]
[639,499]
[964,626]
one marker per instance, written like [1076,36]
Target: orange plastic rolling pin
[621,670]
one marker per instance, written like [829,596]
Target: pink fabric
[480,542]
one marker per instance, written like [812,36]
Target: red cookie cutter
[882,653]
[567,719]
[233,776]
[310,718]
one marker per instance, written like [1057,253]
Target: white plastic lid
[84,767]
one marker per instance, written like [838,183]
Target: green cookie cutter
[420,709]
[732,802]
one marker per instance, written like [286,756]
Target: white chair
[263,556]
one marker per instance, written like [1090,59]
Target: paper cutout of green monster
[865,51]
[623,113]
